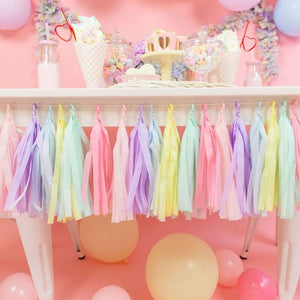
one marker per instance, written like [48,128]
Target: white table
[110,101]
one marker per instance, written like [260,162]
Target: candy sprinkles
[231,173]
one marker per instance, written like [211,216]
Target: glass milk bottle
[48,66]
[252,77]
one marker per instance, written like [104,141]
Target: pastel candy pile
[202,58]
[88,30]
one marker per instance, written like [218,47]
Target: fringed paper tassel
[166,203]
[296,128]
[187,166]
[288,187]
[54,200]
[240,165]
[99,163]
[75,144]
[140,171]
[229,206]
[155,145]
[205,196]
[46,143]
[120,159]
[268,196]
[258,142]
[9,140]
[25,193]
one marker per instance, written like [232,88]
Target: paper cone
[91,58]
[227,69]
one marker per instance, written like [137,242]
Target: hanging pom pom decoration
[155,145]
[139,168]
[258,142]
[229,206]
[25,193]
[60,130]
[9,140]
[205,197]
[187,166]
[120,159]
[269,182]
[296,128]
[99,162]
[46,143]
[288,189]
[240,165]
[166,204]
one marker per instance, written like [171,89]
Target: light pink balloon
[230,267]
[18,286]
[14,13]
[111,292]
[238,5]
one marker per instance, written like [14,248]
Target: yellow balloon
[106,241]
[181,267]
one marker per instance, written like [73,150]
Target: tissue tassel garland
[269,183]
[187,166]
[205,196]
[229,206]
[166,204]
[120,158]
[46,173]
[258,142]
[25,194]
[288,188]
[99,162]
[9,140]
[140,170]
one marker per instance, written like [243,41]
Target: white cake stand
[165,58]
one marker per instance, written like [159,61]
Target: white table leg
[288,256]
[37,243]
[252,224]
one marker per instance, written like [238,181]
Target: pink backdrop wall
[136,18]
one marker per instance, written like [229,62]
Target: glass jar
[48,66]
[120,59]
[252,77]
[202,55]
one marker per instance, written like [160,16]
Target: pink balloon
[238,5]
[230,267]
[256,284]
[14,13]
[111,292]
[18,286]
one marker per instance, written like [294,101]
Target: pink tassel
[9,140]
[296,127]
[120,157]
[99,161]
[206,171]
